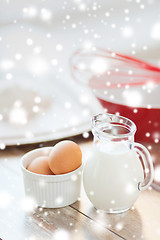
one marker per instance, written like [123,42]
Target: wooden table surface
[78,221]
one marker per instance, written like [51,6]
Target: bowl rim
[120,103]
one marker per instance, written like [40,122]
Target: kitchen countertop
[77,221]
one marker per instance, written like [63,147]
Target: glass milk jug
[118,168]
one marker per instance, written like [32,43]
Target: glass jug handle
[148,166]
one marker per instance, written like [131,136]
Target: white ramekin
[50,191]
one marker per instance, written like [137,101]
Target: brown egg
[40,165]
[66,156]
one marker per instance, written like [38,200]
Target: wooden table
[78,221]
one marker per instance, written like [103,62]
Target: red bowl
[124,85]
[146,120]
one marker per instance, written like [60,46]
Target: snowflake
[54,62]
[147,134]
[74,25]
[107,14]
[37,65]
[108,84]
[156,140]
[74,177]
[82,7]
[18,56]
[67,105]
[48,35]
[9,76]
[37,50]
[59,200]
[145,48]
[35,109]
[86,31]
[127,31]
[113,25]
[30,12]
[97,36]
[126,11]
[45,213]
[29,134]
[37,99]
[87,45]
[91,193]
[40,224]
[99,65]
[133,45]
[60,70]
[59,47]
[28,204]
[18,115]
[111,96]
[29,42]
[7,64]
[86,134]
[40,209]
[84,99]
[86,112]
[135,110]
[61,234]
[68,17]
[46,15]
[2,146]
[119,226]
[132,97]
[130,188]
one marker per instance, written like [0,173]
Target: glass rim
[131,128]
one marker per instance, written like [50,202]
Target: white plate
[36,103]
[46,113]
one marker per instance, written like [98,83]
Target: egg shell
[40,165]
[66,156]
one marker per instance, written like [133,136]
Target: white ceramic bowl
[50,191]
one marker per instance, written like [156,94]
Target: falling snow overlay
[46,94]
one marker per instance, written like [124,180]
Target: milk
[112,176]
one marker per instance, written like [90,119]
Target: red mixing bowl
[146,120]
[123,85]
